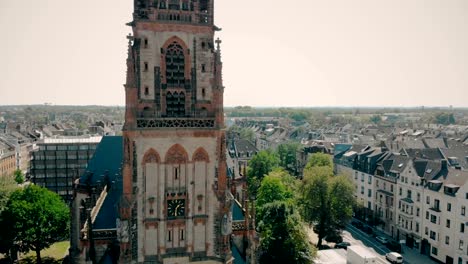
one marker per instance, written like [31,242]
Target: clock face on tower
[176,208]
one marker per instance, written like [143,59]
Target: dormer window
[451,189]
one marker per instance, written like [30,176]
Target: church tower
[175,204]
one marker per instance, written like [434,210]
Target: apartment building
[7,159]
[419,197]
[359,164]
[58,161]
[445,221]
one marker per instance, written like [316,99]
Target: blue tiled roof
[237,213]
[237,255]
[107,160]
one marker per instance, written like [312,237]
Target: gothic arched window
[175,104]
[175,65]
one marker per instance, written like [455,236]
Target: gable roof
[107,160]
[424,153]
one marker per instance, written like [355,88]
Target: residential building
[59,161]
[7,159]
[445,219]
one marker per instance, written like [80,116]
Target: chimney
[444,164]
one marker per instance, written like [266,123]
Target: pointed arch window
[175,104]
[175,65]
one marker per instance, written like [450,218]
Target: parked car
[344,245]
[394,246]
[394,257]
[323,247]
[334,237]
[382,240]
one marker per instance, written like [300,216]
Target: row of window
[67,147]
[436,220]
[58,166]
[436,206]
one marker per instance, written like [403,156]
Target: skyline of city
[365,53]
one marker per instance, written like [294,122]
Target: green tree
[274,187]
[445,118]
[376,119]
[7,186]
[36,218]
[243,132]
[326,200]
[260,165]
[19,176]
[287,154]
[320,160]
[282,236]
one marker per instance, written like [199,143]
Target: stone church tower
[175,204]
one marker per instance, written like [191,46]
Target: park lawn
[57,251]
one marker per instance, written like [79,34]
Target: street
[358,237]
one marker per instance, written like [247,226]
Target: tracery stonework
[174,174]
[201,155]
[176,154]
[151,156]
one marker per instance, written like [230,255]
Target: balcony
[179,122]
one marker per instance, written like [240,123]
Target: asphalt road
[358,235]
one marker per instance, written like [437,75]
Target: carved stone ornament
[151,156]
[200,155]
[176,154]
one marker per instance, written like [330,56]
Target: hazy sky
[275,53]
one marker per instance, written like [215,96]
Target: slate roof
[107,160]
[459,151]
[237,212]
[435,143]
[238,259]
[428,169]
[426,153]
[244,146]
[394,163]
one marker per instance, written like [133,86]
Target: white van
[394,257]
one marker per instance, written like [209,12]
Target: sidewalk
[410,255]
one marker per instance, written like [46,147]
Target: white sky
[275,53]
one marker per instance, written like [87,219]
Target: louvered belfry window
[175,65]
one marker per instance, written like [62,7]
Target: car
[323,247]
[368,230]
[394,257]
[334,237]
[394,246]
[344,245]
[382,240]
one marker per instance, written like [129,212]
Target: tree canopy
[260,165]
[320,160]
[274,187]
[36,218]
[326,200]
[287,154]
